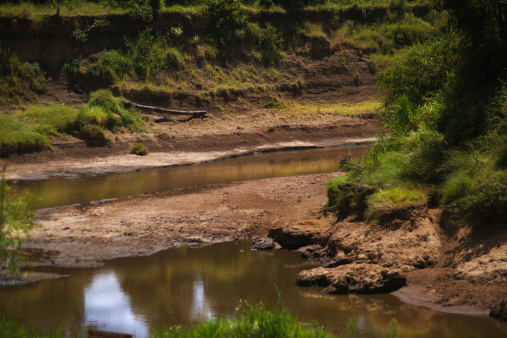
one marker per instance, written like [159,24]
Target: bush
[16,220]
[17,76]
[228,21]
[347,198]
[251,321]
[420,71]
[270,45]
[139,149]
[402,117]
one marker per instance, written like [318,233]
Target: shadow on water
[186,285]
[63,191]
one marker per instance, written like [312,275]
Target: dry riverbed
[442,267]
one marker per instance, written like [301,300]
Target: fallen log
[198,113]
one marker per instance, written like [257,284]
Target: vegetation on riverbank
[30,129]
[16,221]
[446,122]
[30,8]
[240,57]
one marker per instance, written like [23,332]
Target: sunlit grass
[31,10]
[31,128]
[98,8]
[290,108]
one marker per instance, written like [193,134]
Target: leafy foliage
[228,22]
[17,76]
[16,220]
[31,129]
[446,117]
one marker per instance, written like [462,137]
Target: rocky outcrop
[298,236]
[263,243]
[406,243]
[361,278]
[364,258]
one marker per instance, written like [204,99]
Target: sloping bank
[416,253]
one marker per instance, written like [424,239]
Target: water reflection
[187,285]
[107,308]
[200,310]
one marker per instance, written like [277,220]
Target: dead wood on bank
[198,113]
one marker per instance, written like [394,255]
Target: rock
[312,251]
[500,311]
[340,259]
[263,243]
[358,278]
[314,277]
[297,236]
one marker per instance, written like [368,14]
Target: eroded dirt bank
[425,259]
[187,144]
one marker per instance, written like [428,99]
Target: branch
[199,113]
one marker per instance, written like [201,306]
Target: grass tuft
[139,149]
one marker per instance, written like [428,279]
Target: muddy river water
[63,191]
[186,285]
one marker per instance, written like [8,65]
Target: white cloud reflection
[108,308]
[201,308]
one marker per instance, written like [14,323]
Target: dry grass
[292,109]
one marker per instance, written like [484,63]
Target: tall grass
[438,137]
[256,321]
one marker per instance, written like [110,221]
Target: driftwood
[198,113]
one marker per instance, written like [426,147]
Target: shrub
[270,45]
[347,198]
[402,117]
[139,149]
[17,76]
[420,71]
[251,321]
[174,60]
[16,220]
[140,9]
[228,21]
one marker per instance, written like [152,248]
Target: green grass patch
[31,129]
[68,8]
[107,111]
[392,201]
[139,149]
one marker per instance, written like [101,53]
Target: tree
[484,24]
[16,220]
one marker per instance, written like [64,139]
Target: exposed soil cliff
[420,256]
